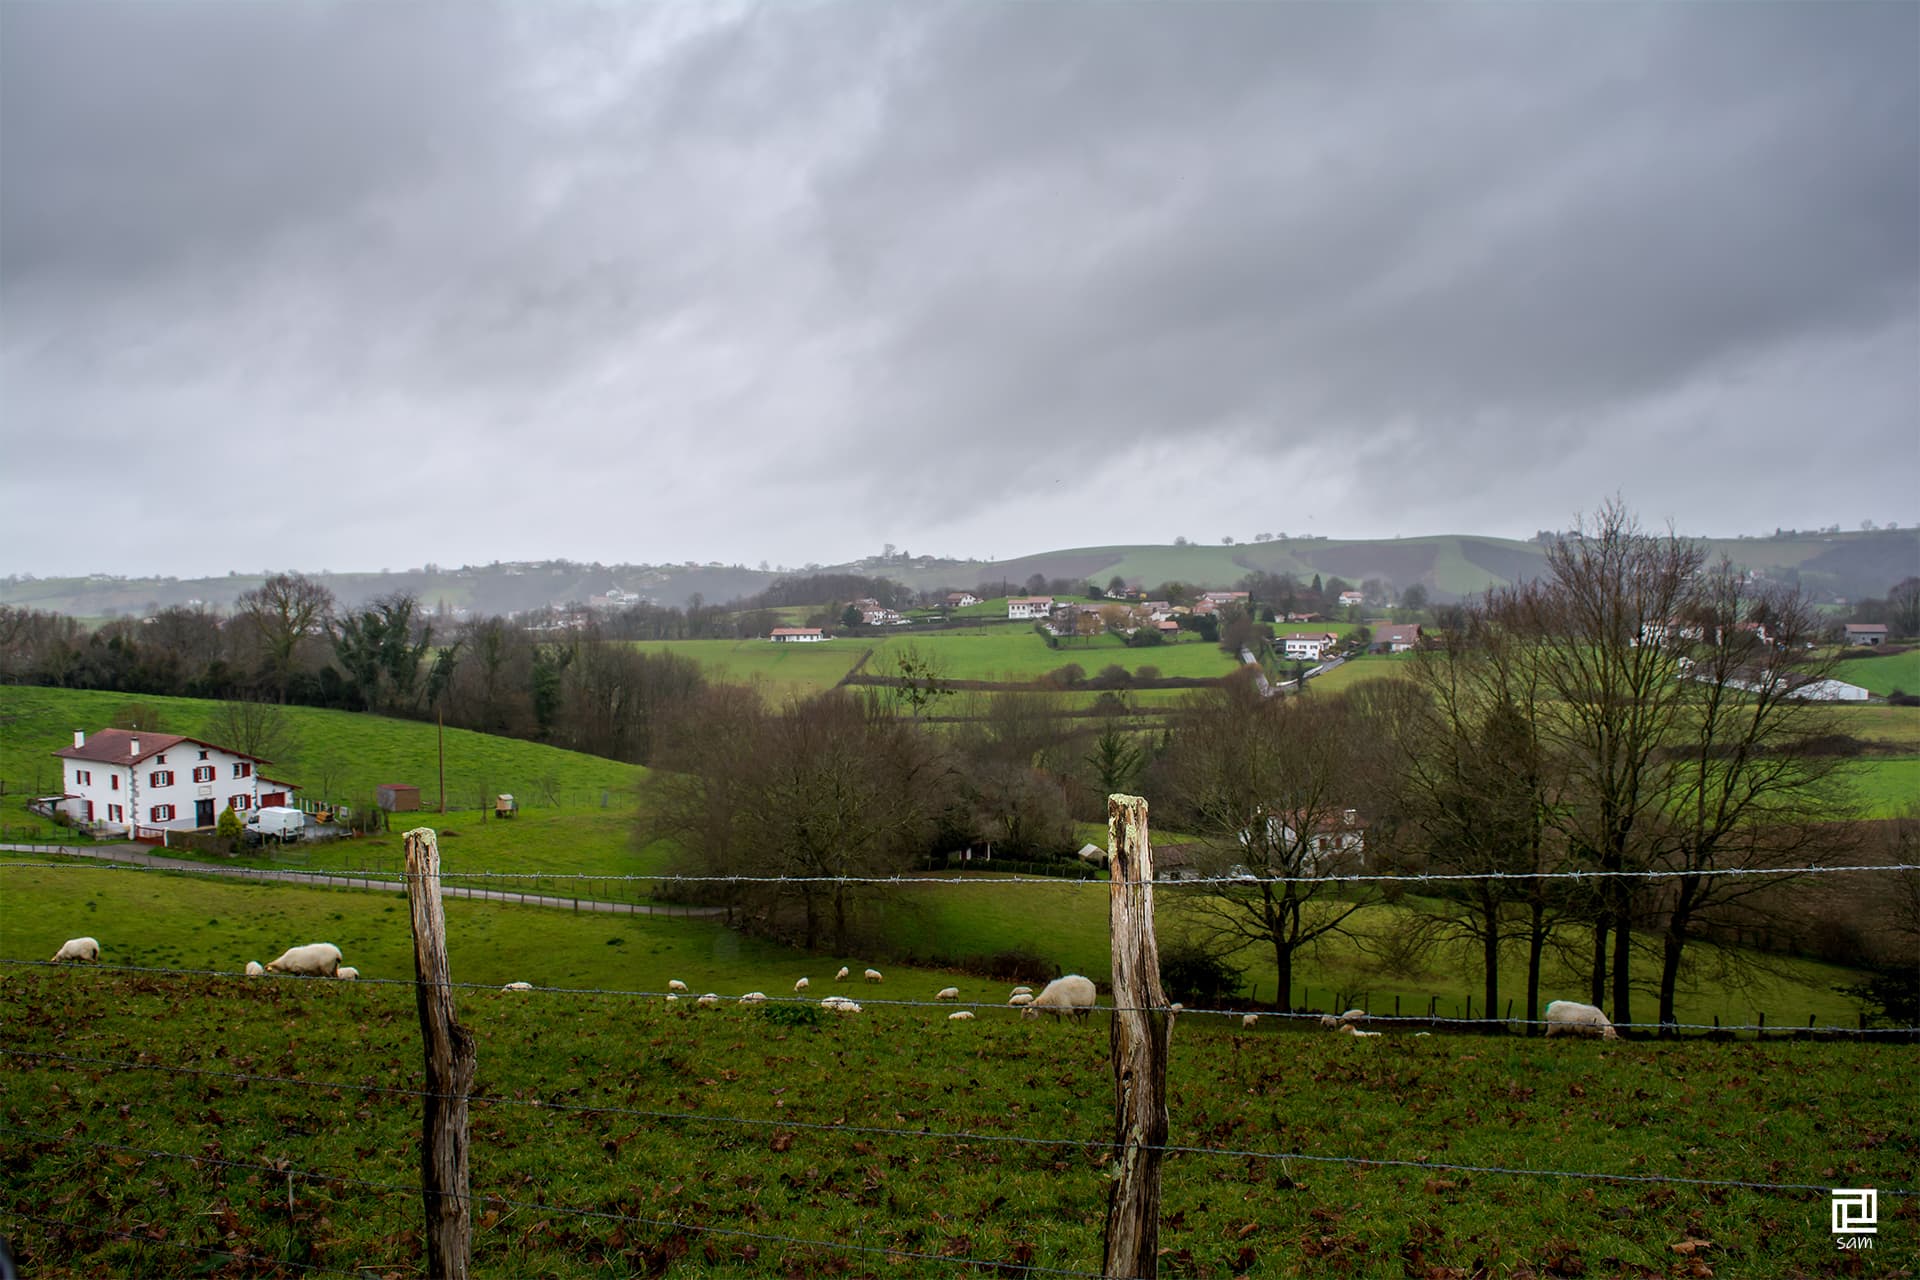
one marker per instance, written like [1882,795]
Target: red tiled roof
[115,746]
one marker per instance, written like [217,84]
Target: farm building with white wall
[123,780]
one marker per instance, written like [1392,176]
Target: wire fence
[1092,1148]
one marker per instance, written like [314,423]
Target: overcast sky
[353,286]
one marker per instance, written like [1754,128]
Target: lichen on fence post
[449,1052]
[1139,1037]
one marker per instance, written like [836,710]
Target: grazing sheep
[255,968]
[671,997]
[800,985]
[1072,994]
[1352,1030]
[1021,991]
[1567,1018]
[873,975]
[316,960]
[709,1001]
[674,984]
[947,993]
[839,1004]
[518,986]
[347,972]
[1330,1022]
[1354,1015]
[1024,998]
[1248,1020]
[964,1015]
[754,997]
[1175,1009]
[76,949]
[1418,1034]
[842,975]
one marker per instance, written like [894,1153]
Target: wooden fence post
[450,1063]
[1139,1038]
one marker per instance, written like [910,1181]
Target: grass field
[571,1091]
[1882,675]
[339,755]
[1887,788]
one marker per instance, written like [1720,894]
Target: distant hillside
[1831,566]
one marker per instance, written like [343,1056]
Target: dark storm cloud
[661,280]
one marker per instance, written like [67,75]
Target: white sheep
[963,1015]
[800,985]
[1568,1018]
[839,1004]
[1021,991]
[842,975]
[1354,1015]
[1072,994]
[1352,1030]
[255,968]
[873,975]
[347,972]
[711,1000]
[76,949]
[1024,998]
[518,986]
[1330,1022]
[947,993]
[315,960]
[674,984]
[1249,1020]
[754,997]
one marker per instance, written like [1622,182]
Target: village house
[1351,599]
[1311,645]
[1396,639]
[1026,608]
[1867,633]
[126,781]
[1325,843]
[796,635]
[961,599]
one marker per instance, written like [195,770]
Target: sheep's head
[1030,1012]
[1608,1033]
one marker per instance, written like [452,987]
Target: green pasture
[1886,788]
[1882,675]
[780,670]
[1892,728]
[341,755]
[1378,666]
[886,1131]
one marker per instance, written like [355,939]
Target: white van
[276,823]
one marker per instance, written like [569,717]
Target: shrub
[229,828]
[1189,973]
[792,1015]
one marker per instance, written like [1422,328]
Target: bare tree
[258,729]
[279,615]
[1264,782]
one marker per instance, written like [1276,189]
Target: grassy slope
[362,751]
[1882,675]
[1784,1112]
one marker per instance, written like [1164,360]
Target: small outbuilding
[398,797]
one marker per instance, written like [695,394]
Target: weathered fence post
[1139,1038]
[450,1062]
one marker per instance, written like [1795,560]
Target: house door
[203,813]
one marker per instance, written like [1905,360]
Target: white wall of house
[165,789]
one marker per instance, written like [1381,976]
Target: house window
[116,782]
[161,758]
[82,777]
[116,813]
[203,755]
[243,770]
[240,801]
[161,778]
[203,773]
[161,813]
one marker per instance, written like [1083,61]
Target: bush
[1068,676]
[229,828]
[1189,973]
[792,1015]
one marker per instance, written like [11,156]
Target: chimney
[133,747]
[79,737]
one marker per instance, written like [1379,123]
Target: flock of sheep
[1072,995]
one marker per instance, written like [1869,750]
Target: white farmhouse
[1023,607]
[147,783]
[1311,645]
[796,635]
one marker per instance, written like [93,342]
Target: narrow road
[137,856]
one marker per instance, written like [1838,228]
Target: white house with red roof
[1021,607]
[1311,645]
[135,782]
[796,635]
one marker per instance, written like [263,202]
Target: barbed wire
[484,1196]
[252,1260]
[879,1002]
[400,878]
[969,1137]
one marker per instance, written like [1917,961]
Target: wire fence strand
[971,1137]
[889,1002]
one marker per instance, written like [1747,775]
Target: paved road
[138,856]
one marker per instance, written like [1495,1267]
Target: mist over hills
[1832,566]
